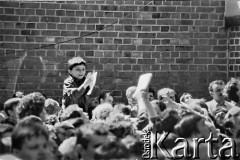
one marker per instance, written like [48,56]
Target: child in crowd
[76,86]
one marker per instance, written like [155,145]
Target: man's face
[34,148]
[94,142]
[150,96]
[132,101]
[187,97]
[217,92]
[78,71]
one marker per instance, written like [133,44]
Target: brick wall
[183,43]
[234,54]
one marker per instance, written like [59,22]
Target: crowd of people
[86,127]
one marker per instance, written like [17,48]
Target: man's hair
[75,61]
[31,104]
[21,133]
[102,111]
[130,91]
[52,106]
[30,120]
[188,125]
[82,132]
[72,111]
[152,91]
[218,82]
[10,103]
[231,89]
[121,129]
[165,91]
[122,108]
[103,96]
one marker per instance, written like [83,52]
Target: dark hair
[30,120]
[103,96]
[10,103]
[90,129]
[188,125]
[231,90]
[121,129]
[31,104]
[152,91]
[21,133]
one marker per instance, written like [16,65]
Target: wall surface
[183,43]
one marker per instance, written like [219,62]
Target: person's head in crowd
[115,117]
[72,112]
[32,104]
[194,126]
[112,150]
[185,97]
[134,145]
[63,130]
[18,94]
[30,120]
[29,142]
[121,128]
[52,106]
[166,93]
[232,90]
[216,90]
[168,97]
[101,112]
[122,108]
[129,94]
[77,67]
[151,94]
[105,97]
[51,119]
[90,136]
[232,123]
[10,107]
[5,140]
